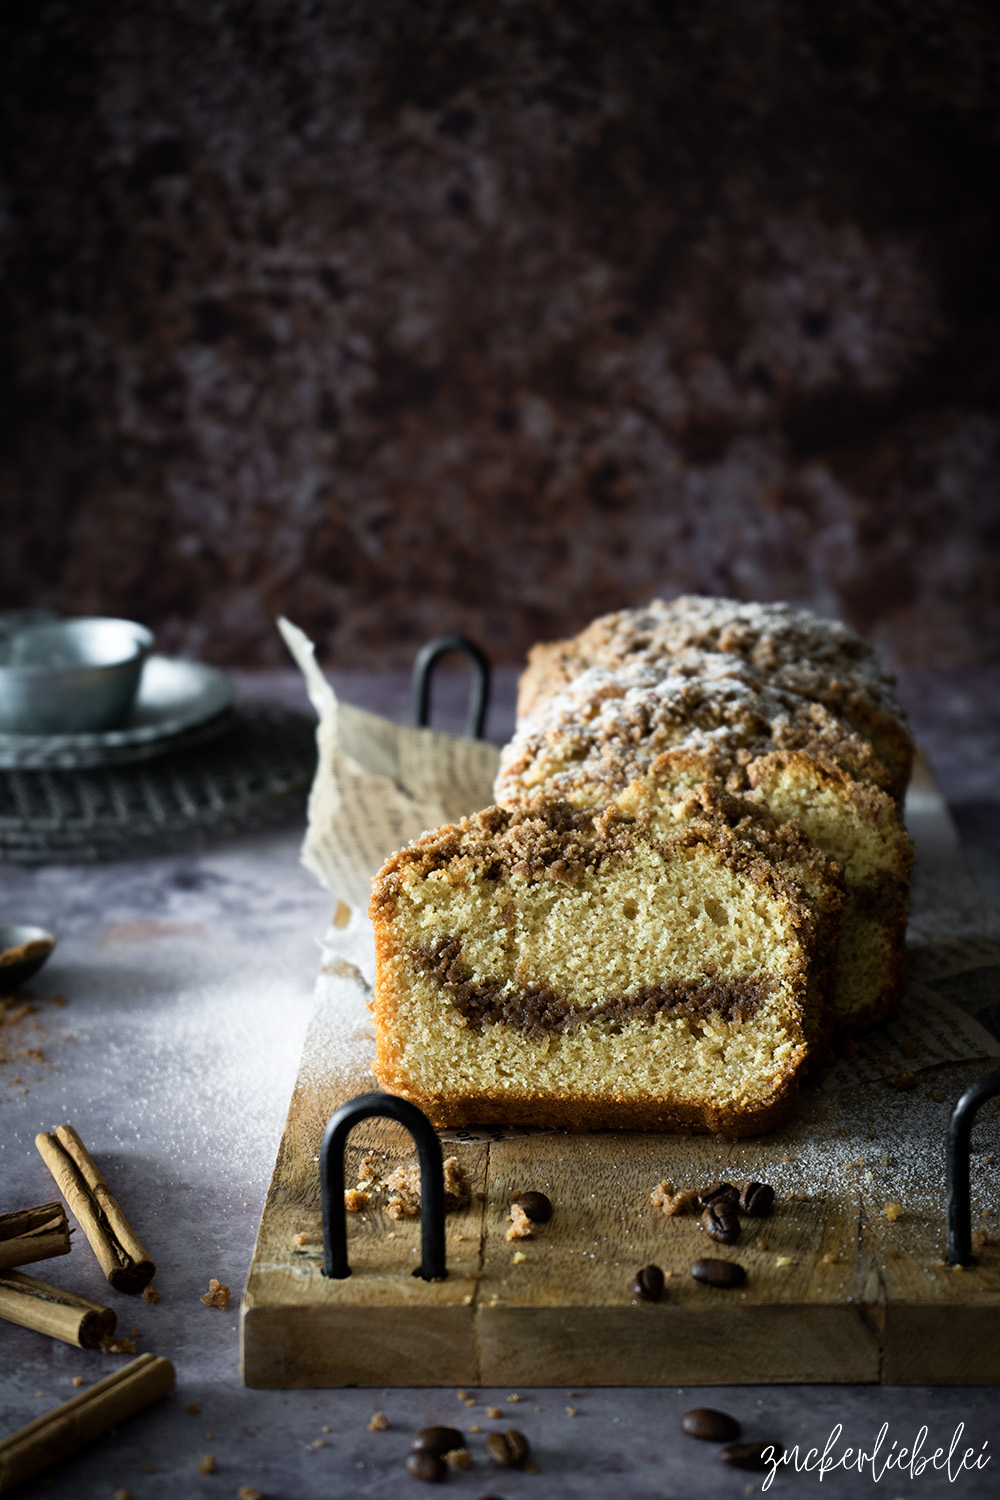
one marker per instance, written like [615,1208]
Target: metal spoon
[23,950]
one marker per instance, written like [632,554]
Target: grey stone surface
[188,980]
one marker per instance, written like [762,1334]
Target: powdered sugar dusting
[796,649]
[610,723]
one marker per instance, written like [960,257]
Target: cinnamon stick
[62,1432]
[30,1234]
[123,1258]
[55,1311]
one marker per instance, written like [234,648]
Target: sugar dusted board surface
[836,1290]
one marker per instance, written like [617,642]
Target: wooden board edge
[284,1348]
[953,1344]
[659,1345]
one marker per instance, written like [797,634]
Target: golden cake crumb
[474,1428]
[245,1492]
[783,1260]
[78,1380]
[118,1346]
[513,1397]
[980,1239]
[318,1443]
[150,1295]
[217,1294]
[404,1183]
[519,1256]
[761,1242]
[355,1201]
[378,1422]
[521,1227]
[456,1188]
[458,1458]
[494,1411]
[831,1258]
[207,1465]
[571,1411]
[671,1202]
[892,1211]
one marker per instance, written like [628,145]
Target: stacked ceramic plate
[187,764]
[178,702]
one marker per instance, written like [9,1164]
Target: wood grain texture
[835,1289]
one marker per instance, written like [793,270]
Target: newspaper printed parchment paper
[380,784]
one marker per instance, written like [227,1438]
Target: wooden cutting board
[835,1290]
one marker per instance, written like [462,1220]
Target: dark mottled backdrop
[403,315]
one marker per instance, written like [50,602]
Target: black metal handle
[331,1177]
[959,1133]
[479,694]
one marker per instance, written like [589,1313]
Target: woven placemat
[255,774]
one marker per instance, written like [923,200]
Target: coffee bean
[757,1199]
[721,1220]
[713,1426]
[508,1449]
[749,1455]
[424,1465]
[437,1439]
[719,1272]
[715,1192]
[537,1207]
[648,1284]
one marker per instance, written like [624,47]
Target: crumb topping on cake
[609,724]
[795,651]
[794,647]
[550,840]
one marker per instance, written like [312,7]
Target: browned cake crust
[820,660]
[434,992]
[607,1113]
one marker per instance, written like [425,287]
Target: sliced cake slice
[663,970]
[610,728]
[823,661]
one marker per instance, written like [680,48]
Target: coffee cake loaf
[661,968]
[721,724]
[823,661]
